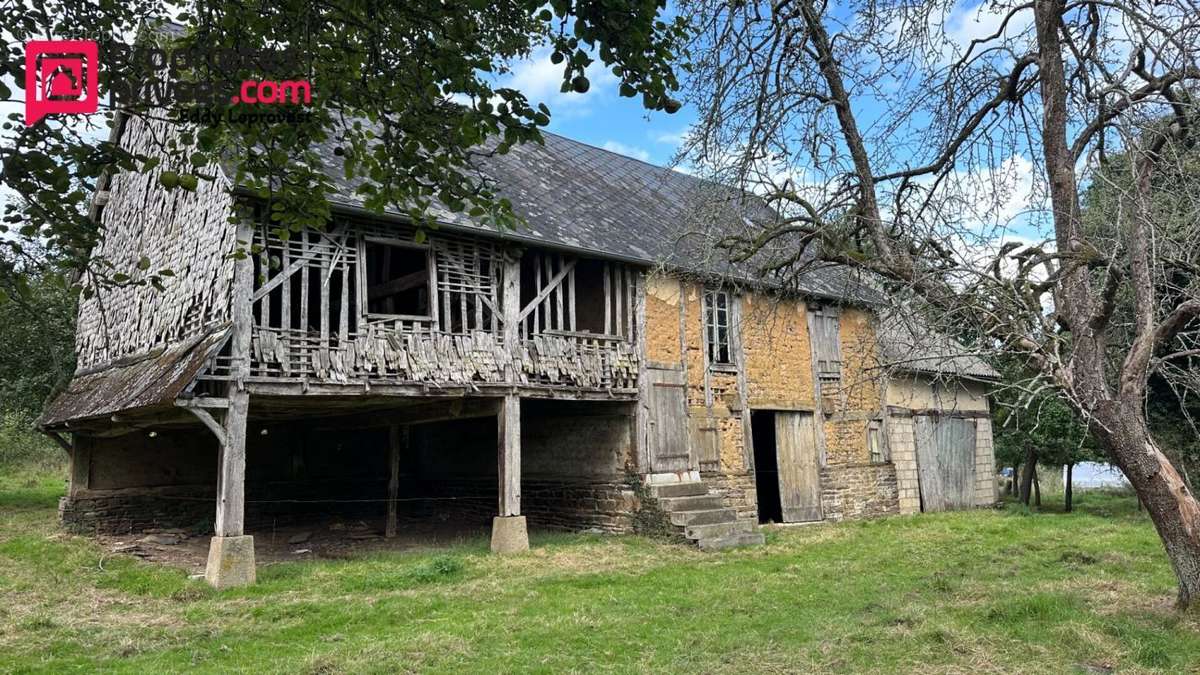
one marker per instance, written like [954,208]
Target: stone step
[704,517]
[690,503]
[679,489]
[732,541]
[717,530]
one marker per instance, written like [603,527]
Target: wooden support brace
[59,440]
[550,286]
[207,420]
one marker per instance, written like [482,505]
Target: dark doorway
[766,466]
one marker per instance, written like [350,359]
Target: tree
[407,92]
[36,332]
[1041,430]
[881,138]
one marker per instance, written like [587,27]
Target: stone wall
[986,488]
[126,511]
[662,320]
[858,491]
[736,491]
[778,354]
[901,444]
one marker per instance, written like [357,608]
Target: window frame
[711,326]
[430,264]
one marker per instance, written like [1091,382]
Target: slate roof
[579,197]
[908,345]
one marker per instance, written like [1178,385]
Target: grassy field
[987,591]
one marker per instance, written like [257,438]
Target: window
[397,277]
[875,444]
[716,328]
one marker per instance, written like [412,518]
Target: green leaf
[189,182]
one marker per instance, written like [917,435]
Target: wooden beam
[508,434]
[424,413]
[398,440]
[231,478]
[203,402]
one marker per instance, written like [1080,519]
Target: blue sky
[600,117]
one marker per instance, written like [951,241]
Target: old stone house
[583,371]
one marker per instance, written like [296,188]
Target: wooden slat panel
[706,442]
[945,461]
[667,415]
[799,472]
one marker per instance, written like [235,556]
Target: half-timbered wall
[367,303]
[188,233]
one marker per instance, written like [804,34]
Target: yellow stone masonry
[662,319]
[778,356]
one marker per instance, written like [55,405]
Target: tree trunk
[1067,495]
[1030,466]
[1037,488]
[1172,507]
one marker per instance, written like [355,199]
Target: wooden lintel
[203,402]
[436,411]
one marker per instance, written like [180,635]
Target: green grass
[988,591]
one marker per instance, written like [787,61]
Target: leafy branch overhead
[405,95]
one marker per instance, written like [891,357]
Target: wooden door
[945,461]
[667,421]
[799,466]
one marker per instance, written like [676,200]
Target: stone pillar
[509,532]
[904,457]
[231,551]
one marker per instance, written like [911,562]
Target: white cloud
[541,82]
[627,150]
[673,137]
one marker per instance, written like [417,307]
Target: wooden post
[509,441]
[231,476]
[231,553]
[511,310]
[81,464]
[398,441]
[509,534]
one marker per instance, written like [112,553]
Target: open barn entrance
[343,477]
[787,467]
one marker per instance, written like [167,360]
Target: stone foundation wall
[859,491]
[607,506]
[125,511]
[736,491]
